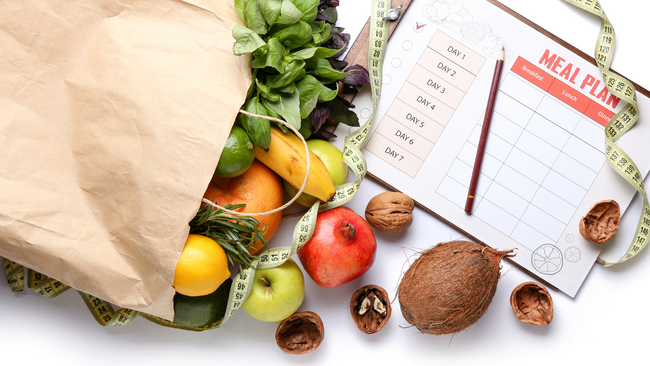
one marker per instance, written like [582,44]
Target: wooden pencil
[484,133]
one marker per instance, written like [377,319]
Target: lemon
[237,155]
[201,311]
[202,268]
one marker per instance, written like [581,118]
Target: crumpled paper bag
[113,115]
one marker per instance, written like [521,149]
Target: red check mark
[418,25]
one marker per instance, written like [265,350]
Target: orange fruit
[260,188]
[202,268]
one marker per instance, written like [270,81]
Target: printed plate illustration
[572,254]
[547,259]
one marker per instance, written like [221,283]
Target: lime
[201,311]
[237,155]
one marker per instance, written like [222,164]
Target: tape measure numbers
[102,311]
[43,285]
[619,124]
[15,275]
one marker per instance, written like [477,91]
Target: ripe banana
[286,157]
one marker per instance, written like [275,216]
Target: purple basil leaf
[340,112]
[346,103]
[319,115]
[357,75]
[329,15]
[339,65]
[322,134]
[338,40]
[323,18]
[327,11]
[345,37]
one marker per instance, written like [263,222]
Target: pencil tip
[502,54]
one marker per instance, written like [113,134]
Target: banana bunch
[286,157]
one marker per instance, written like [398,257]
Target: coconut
[449,287]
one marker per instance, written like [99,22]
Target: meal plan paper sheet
[544,164]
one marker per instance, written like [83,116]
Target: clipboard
[358,55]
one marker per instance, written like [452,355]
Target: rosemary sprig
[233,232]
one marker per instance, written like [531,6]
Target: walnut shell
[370,308]
[532,303]
[390,212]
[300,333]
[601,223]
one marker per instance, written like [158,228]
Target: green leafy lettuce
[293,44]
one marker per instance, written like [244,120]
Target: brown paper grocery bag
[113,115]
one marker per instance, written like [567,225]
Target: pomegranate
[342,248]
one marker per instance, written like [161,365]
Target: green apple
[277,292]
[332,157]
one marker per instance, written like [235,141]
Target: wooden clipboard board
[358,54]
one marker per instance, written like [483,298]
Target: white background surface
[602,324]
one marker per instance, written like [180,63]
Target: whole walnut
[390,212]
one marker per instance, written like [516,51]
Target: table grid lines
[508,199]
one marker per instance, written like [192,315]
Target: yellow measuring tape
[103,311]
[38,282]
[619,124]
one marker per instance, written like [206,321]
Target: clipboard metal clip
[394,14]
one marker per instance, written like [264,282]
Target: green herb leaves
[247,40]
[233,232]
[292,43]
